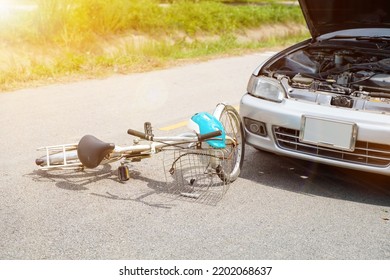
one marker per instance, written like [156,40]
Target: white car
[327,99]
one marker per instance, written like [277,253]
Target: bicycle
[213,149]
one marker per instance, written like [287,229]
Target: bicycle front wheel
[235,144]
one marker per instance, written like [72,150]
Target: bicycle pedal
[123,173]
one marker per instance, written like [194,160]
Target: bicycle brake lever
[148,129]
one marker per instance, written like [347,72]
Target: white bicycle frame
[67,153]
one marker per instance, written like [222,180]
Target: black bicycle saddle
[91,151]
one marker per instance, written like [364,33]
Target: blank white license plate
[328,133]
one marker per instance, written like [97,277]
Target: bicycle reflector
[203,123]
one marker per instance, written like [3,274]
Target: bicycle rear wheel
[235,145]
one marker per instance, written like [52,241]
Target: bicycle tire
[231,121]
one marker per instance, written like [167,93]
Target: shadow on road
[315,179]
[70,179]
[87,181]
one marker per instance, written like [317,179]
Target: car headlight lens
[267,88]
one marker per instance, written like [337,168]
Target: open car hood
[328,16]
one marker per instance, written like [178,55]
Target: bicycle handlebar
[202,137]
[209,135]
[139,134]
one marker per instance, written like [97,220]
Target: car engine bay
[348,74]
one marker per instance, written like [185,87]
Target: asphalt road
[278,209]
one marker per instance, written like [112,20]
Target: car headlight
[267,88]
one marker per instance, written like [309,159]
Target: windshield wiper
[385,40]
[338,37]
[359,38]
[374,38]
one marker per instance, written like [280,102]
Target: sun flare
[5,7]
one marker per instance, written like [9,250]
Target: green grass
[89,38]
[75,21]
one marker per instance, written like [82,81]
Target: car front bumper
[280,125]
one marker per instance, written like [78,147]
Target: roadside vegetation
[50,40]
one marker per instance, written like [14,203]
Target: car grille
[365,153]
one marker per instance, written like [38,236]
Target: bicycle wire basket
[196,174]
